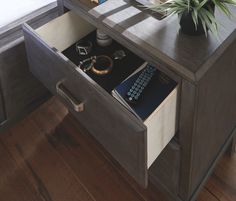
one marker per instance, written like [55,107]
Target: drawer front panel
[110,123]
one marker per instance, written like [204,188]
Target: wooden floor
[49,157]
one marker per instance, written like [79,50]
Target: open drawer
[133,143]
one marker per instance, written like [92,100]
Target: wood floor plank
[52,178]
[46,119]
[223,181]
[50,157]
[85,158]
[14,185]
[100,179]
[205,195]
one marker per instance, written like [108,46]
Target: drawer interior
[121,68]
[63,33]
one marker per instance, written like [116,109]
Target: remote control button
[140,83]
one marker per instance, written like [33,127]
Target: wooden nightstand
[203,68]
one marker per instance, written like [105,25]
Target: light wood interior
[161,126]
[65,30]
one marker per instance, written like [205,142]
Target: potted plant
[196,16]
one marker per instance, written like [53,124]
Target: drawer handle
[66,94]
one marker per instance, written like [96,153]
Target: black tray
[121,69]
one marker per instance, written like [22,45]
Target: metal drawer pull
[66,94]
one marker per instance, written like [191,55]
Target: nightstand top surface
[188,56]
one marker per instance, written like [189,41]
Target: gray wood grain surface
[160,39]
[216,114]
[186,125]
[20,91]
[19,87]
[208,117]
[233,147]
[2,108]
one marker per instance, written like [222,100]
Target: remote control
[134,93]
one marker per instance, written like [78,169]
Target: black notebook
[153,95]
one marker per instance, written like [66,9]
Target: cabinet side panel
[216,116]
[186,127]
[233,147]
[20,89]
[2,110]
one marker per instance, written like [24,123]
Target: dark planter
[187,24]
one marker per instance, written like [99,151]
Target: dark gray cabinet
[204,69]
[128,139]
[20,91]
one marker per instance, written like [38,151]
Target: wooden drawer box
[133,143]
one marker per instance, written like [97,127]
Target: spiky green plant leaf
[201,4]
[200,10]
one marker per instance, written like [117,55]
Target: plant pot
[187,25]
